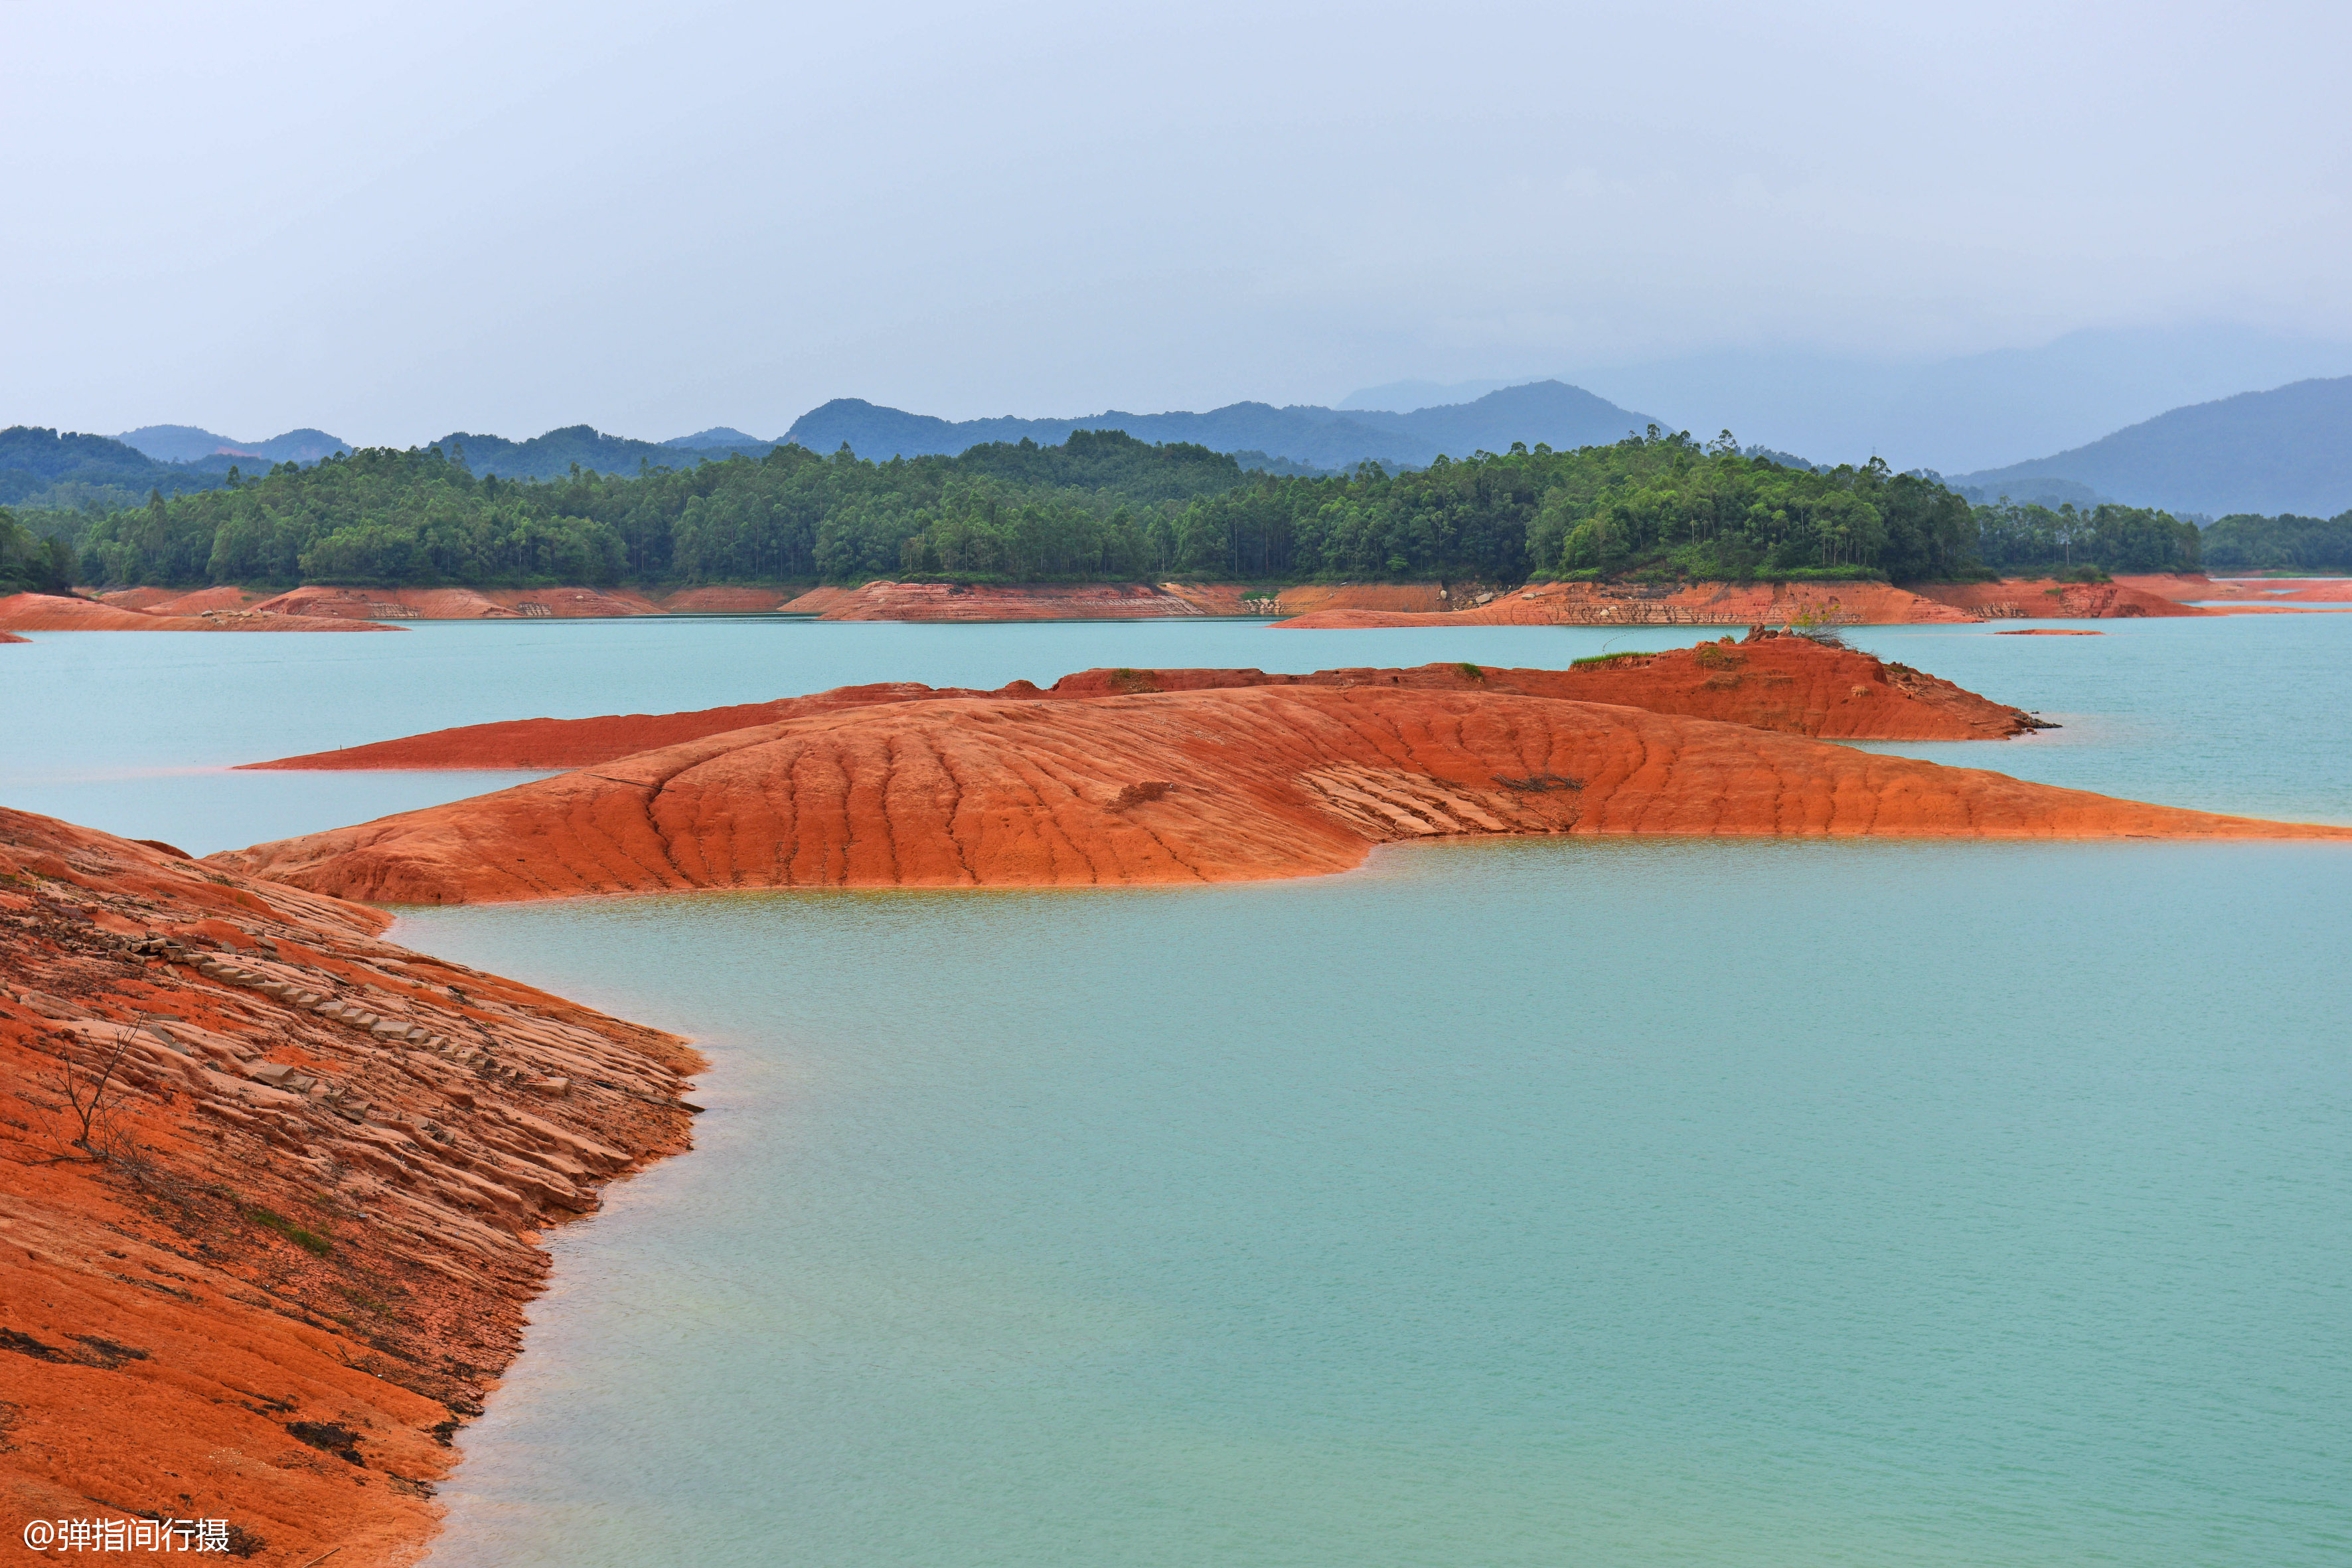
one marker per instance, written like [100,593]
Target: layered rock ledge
[291,1252]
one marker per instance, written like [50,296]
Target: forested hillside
[2017,539]
[31,564]
[1104,505]
[44,469]
[555,454]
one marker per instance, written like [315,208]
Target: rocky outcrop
[458,603]
[57,613]
[2043,598]
[1793,685]
[1664,605]
[289,1252]
[1185,786]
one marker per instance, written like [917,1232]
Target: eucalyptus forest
[1102,505]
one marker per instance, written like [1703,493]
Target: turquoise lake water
[1665,1202]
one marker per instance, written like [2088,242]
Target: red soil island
[1231,784]
[303,1257]
[1793,685]
[57,613]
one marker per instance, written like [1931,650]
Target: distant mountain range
[188,444]
[1549,410]
[718,435]
[1959,414]
[551,456]
[2286,450]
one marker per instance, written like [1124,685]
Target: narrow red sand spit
[57,613]
[1189,786]
[296,1251]
[1790,684]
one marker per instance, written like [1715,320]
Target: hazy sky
[392,221]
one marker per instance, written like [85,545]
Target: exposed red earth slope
[12,637]
[1231,784]
[2187,586]
[305,1257]
[888,600]
[1627,604]
[691,600]
[1790,684]
[56,612]
[180,602]
[458,603]
[2043,598]
[135,598]
[955,602]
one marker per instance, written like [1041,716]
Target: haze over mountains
[189,444]
[1548,412]
[2284,449]
[1979,411]
[1961,414]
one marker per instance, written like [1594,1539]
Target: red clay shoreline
[1306,606]
[304,1261]
[60,612]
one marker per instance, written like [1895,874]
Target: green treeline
[2245,543]
[1106,505]
[29,563]
[2019,539]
